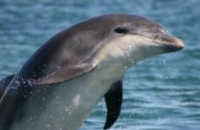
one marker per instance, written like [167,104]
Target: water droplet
[125,67]
[57,97]
[43,98]
[47,126]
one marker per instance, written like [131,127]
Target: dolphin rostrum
[60,84]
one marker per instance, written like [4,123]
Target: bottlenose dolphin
[60,84]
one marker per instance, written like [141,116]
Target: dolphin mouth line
[158,38]
[166,40]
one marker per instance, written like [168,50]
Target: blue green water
[161,93]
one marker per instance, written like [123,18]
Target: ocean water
[160,93]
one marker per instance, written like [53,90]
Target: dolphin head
[140,38]
[137,37]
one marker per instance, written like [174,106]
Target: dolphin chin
[60,84]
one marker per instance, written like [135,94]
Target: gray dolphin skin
[60,84]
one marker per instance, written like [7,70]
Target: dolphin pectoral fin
[113,99]
[4,83]
[65,73]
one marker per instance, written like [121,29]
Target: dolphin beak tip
[179,44]
[174,44]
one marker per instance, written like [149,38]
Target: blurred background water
[161,93]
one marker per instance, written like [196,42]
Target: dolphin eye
[121,30]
